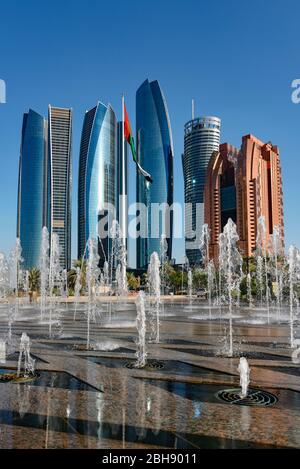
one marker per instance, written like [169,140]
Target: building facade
[31,215]
[59,180]
[155,154]
[97,178]
[244,185]
[201,139]
[220,201]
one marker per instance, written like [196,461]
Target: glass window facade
[31,195]
[59,181]
[201,139]
[97,175]
[155,154]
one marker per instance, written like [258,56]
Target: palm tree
[72,273]
[34,279]
[133,281]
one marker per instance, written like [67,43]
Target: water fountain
[261,255]
[211,275]
[249,290]
[4,276]
[54,276]
[29,362]
[64,284]
[244,371]
[294,276]
[163,254]
[2,351]
[190,284]
[276,251]
[259,276]
[232,269]
[184,267]
[44,270]
[15,260]
[154,293]
[118,256]
[141,353]
[221,265]
[204,244]
[77,289]
[92,278]
[26,283]
[106,275]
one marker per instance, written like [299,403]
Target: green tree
[34,279]
[72,274]
[132,281]
[199,279]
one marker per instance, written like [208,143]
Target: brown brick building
[244,185]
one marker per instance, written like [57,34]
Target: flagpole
[123,196]
[123,202]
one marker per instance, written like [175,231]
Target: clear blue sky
[236,58]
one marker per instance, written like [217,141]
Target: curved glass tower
[31,194]
[97,176]
[155,154]
[201,139]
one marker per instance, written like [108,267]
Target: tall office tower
[122,177]
[59,181]
[244,185]
[155,154]
[201,139]
[220,201]
[259,191]
[31,193]
[97,179]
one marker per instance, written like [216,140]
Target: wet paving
[185,397]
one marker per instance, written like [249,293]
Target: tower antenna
[193,109]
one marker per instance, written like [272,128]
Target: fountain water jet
[294,275]
[141,353]
[232,267]
[92,278]
[25,352]
[154,293]
[211,274]
[244,372]
[190,283]
[54,275]
[276,250]
[44,269]
[261,253]
[77,289]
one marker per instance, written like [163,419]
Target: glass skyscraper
[155,154]
[59,179]
[31,216]
[201,139]
[97,177]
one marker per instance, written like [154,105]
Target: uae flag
[129,138]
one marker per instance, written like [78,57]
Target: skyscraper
[244,185]
[220,199]
[201,139]
[31,215]
[259,191]
[59,180]
[97,177]
[155,154]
